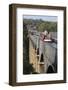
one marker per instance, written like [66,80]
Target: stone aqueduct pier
[43,53]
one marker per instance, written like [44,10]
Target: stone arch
[50,69]
[42,58]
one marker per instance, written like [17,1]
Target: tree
[49,26]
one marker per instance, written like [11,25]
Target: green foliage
[28,21]
[27,67]
[49,26]
[42,25]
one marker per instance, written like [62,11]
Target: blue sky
[45,18]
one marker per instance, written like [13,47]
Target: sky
[45,18]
